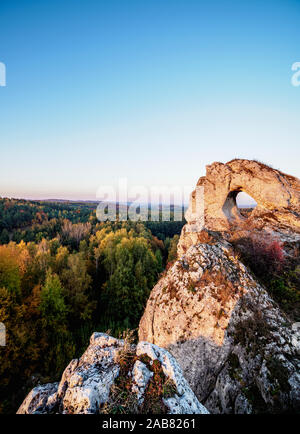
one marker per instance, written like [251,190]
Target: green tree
[131,269]
[159,260]
[55,333]
[172,252]
[52,307]
[77,282]
[4,237]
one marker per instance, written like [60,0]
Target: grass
[253,332]
[277,272]
[122,400]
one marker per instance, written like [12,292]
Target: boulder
[109,366]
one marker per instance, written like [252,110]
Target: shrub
[286,291]
[123,400]
[277,271]
[262,254]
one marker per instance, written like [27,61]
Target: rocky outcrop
[93,384]
[210,330]
[213,202]
[236,348]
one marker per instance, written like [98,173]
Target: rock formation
[277,196]
[93,384]
[232,347]
[237,349]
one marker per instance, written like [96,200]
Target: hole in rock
[245,203]
[238,204]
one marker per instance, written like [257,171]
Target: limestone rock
[86,384]
[39,398]
[277,196]
[236,348]
[183,401]
[141,376]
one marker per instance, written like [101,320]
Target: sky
[150,90]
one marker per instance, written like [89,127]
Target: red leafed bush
[274,252]
[263,254]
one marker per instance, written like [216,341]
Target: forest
[64,275]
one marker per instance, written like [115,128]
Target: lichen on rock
[114,376]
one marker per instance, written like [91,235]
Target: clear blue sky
[152,90]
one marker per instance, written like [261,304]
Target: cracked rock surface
[238,351]
[86,383]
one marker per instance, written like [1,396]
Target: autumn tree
[172,250]
[9,270]
[54,324]
[131,269]
[77,282]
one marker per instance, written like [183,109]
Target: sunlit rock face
[238,351]
[277,196]
[236,348]
[196,297]
[86,384]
